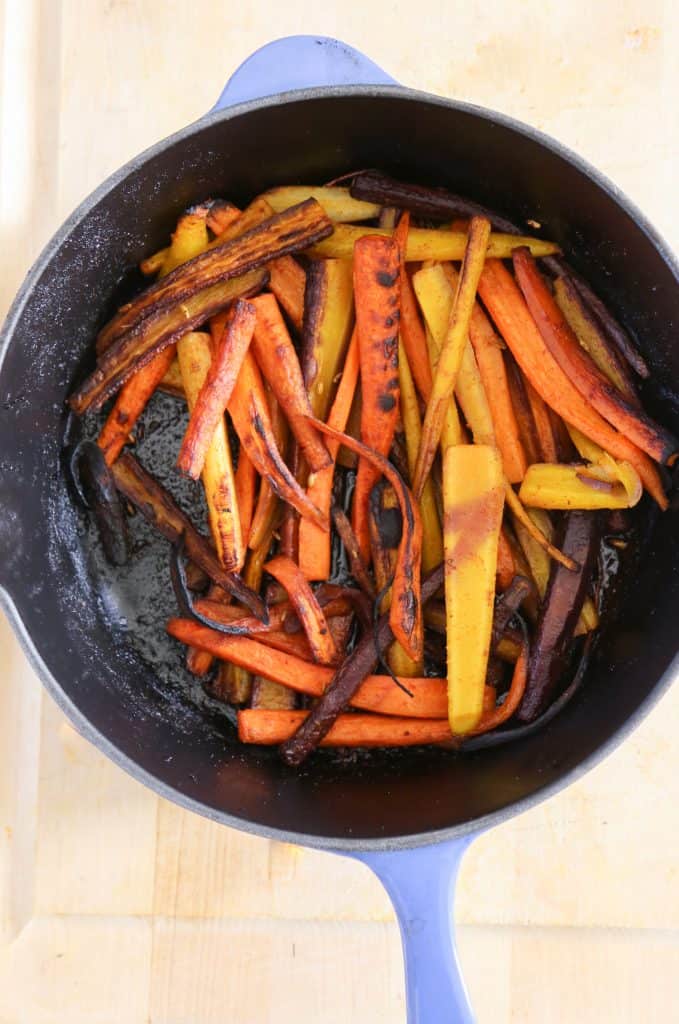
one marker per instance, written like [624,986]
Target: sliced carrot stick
[506,566]
[266,510]
[512,317]
[287,280]
[377,295]
[543,426]
[274,727]
[405,614]
[522,410]
[452,349]
[314,543]
[498,715]
[488,351]
[278,362]
[357,567]
[246,486]
[190,238]
[251,420]
[200,662]
[130,403]
[153,263]
[376,693]
[208,408]
[282,616]
[328,323]
[310,613]
[193,352]
[427,243]
[222,215]
[432,538]
[581,370]
[413,336]
[289,643]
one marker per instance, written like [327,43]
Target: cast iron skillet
[408,816]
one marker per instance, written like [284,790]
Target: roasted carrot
[282,616]
[246,478]
[522,410]
[287,281]
[405,614]
[278,362]
[266,510]
[274,727]
[413,337]
[427,244]
[377,296]
[581,370]
[130,404]
[207,408]
[200,662]
[251,420]
[153,263]
[473,499]
[376,693]
[310,613]
[193,352]
[328,322]
[452,349]
[188,240]
[281,640]
[357,566]
[543,425]
[432,540]
[555,486]
[222,215]
[584,325]
[337,202]
[511,315]
[314,543]
[506,567]
[499,715]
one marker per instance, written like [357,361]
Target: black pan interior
[100,635]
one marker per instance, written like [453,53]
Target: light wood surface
[116,906]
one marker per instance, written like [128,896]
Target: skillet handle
[299,62]
[421,885]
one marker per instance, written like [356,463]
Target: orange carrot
[287,281]
[522,410]
[512,317]
[498,715]
[246,485]
[309,611]
[314,543]
[543,426]
[506,566]
[200,662]
[278,362]
[412,330]
[251,420]
[218,387]
[377,296]
[273,727]
[266,510]
[581,369]
[376,693]
[130,404]
[222,215]
[282,616]
[405,613]
[491,365]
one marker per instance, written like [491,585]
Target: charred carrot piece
[512,317]
[314,543]
[193,351]
[246,478]
[281,640]
[452,350]
[328,323]
[282,616]
[251,420]
[584,325]
[274,727]
[413,337]
[207,410]
[405,614]
[581,370]
[221,215]
[506,566]
[377,296]
[287,281]
[310,613]
[427,243]
[375,693]
[499,715]
[278,362]
[432,539]
[522,410]
[543,425]
[130,404]
[266,510]
[357,566]
[200,662]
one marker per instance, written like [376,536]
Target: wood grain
[116,906]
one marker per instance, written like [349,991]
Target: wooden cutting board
[116,906]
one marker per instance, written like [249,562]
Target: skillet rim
[52,685]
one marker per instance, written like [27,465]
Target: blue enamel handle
[299,62]
[421,885]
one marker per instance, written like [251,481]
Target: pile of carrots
[457,379]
